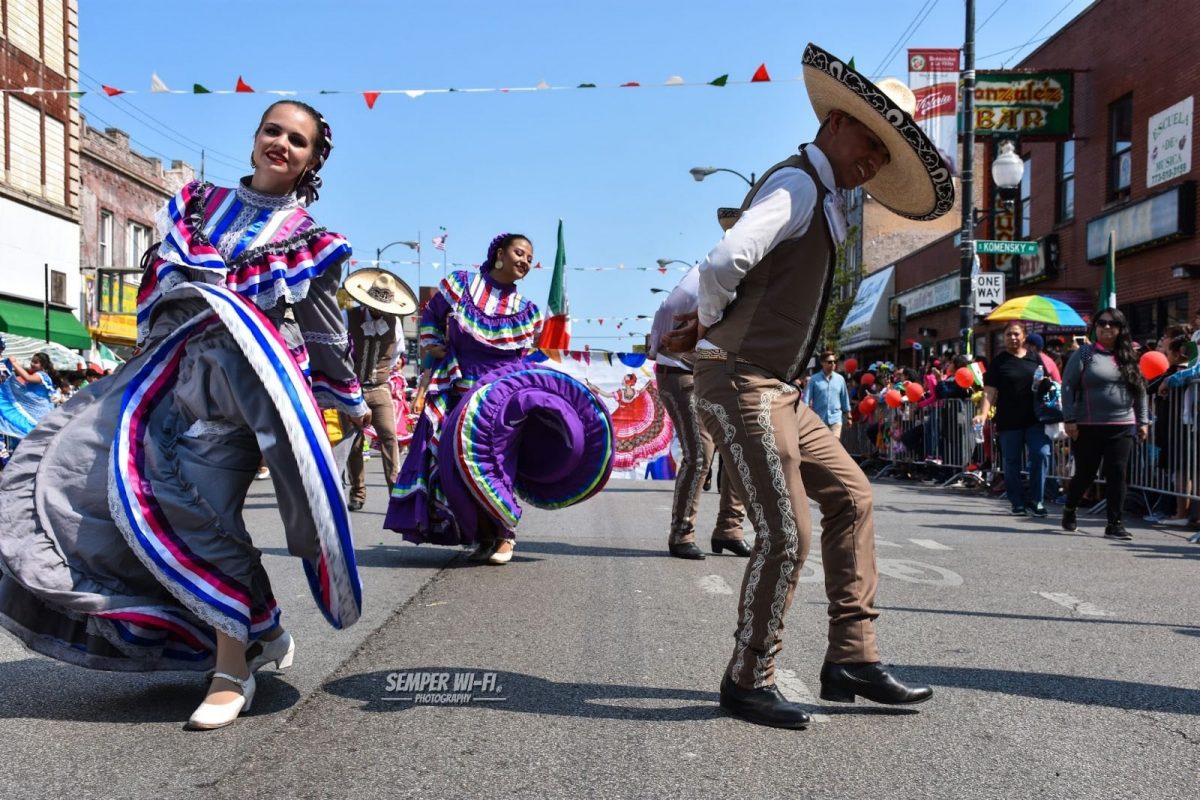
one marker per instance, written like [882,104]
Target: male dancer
[763,293]
[674,375]
[377,342]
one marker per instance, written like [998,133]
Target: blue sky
[611,162]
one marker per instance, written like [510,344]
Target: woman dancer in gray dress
[122,542]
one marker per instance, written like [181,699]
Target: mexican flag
[1108,288]
[556,334]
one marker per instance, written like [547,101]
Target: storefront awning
[28,319]
[867,323]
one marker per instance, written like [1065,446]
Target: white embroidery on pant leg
[763,548]
[691,457]
[787,518]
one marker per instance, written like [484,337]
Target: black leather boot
[686,550]
[764,706]
[840,683]
[737,547]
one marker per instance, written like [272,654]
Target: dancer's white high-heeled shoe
[210,716]
[281,650]
[502,556]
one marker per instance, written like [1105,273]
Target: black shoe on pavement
[687,550]
[1068,519]
[1038,511]
[765,706]
[355,505]
[1018,511]
[841,682]
[736,547]
[1116,530]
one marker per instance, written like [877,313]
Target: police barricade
[938,437]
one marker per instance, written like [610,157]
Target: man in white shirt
[763,293]
[674,377]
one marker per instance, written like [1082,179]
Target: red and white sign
[933,77]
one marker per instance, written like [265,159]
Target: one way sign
[989,291]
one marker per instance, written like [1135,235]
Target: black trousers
[1114,445]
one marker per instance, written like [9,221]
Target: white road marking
[714,584]
[885,543]
[796,691]
[930,544]
[1079,606]
[907,569]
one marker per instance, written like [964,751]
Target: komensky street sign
[997,247]
[988,288]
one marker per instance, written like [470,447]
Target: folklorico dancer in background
[674,375]
[121,529]
[377,345]
[26,395]
[763,294]
[494,427]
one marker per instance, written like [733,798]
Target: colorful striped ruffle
[278,254]
[515,328]
[210,595]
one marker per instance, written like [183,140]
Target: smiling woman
[152,566]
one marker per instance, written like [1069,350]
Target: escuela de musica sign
[1024,104]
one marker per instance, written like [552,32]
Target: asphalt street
[1064,666]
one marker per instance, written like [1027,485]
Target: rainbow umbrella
[1037,308]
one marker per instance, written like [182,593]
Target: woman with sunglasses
[1105,408]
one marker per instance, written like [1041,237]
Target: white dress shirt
[682,300]
[781,210]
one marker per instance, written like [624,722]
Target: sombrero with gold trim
[381,291]
[915,183]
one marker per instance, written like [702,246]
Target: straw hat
[915,183]
[381,291]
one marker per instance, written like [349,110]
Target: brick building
[1127,167]
[39,168]
[122,191]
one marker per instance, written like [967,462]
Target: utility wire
[1039,30]
[909,31]
[166,158]
[980,27]
[162,128]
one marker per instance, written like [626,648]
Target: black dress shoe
[841,682]
[764,706]
[355,505]
[737,547]
[686,550]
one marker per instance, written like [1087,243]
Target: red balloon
[914,391]
[867,405]
[850,364]
[893,398]
[964,377]
[867,379]
[1152,364]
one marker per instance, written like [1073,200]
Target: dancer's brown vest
[776,317]
[372,354]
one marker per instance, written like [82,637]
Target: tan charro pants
[696,444]
[383,418]
[783,455]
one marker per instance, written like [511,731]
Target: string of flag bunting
[378,263]
[371,96]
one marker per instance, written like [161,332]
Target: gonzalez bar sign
[1024,104]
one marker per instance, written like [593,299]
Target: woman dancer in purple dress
[493,426]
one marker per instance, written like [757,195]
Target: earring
[499,264]
[252,164]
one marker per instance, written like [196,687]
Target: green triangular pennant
[77,95]
[721,81]
[198,89]
[586,86]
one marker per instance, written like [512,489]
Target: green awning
[28,319]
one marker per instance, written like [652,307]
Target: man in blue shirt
[826,394]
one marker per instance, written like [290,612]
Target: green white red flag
[556,333]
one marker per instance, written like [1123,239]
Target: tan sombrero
[381,291]
[915,183]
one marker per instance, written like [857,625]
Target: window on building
[139,240]
[1066,181]
[56,162]
[1120,137]
[24,146]
[53,39]
[58,287]
[1149,318]
[104,238]
[1026,201]
[23,26]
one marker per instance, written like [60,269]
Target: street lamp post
[700,173]
[411,245]
[663,262]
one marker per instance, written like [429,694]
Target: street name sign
[989,291]
[997,247]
